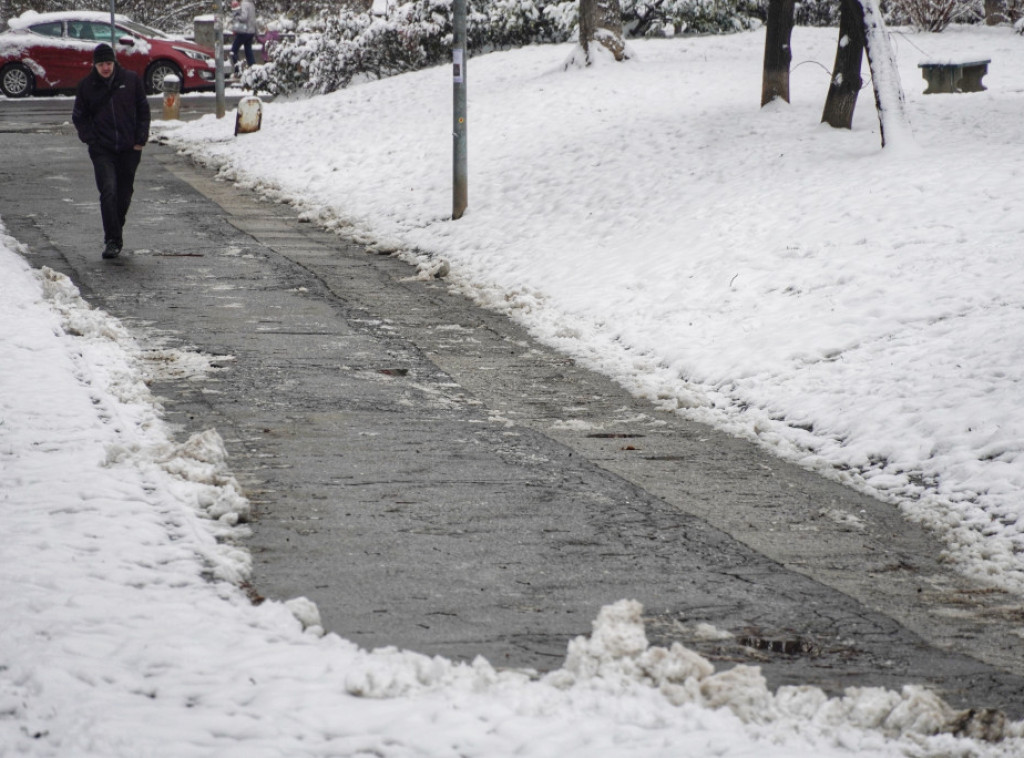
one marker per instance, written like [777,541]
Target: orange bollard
[172,98]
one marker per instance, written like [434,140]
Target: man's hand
[138,147]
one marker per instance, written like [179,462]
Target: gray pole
[113,29]
[460,191]
[218,53]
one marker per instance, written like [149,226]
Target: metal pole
[460,190]
[113,29]
[218,53]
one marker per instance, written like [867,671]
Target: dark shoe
[112,250]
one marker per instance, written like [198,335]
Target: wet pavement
[437,480]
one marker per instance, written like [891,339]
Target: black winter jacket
[112,113]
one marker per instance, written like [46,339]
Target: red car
[51,52]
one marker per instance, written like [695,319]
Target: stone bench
[954,76]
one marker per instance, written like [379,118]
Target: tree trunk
[995,12]
[846,81]
[893,123]
[777,51]
[601,22]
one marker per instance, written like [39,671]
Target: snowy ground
[855,309]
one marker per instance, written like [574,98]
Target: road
[437,480]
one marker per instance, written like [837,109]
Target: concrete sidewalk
[435,479]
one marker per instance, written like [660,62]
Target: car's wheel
[16,80]
[156,73]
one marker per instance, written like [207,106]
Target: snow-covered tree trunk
[601,23]
[995,12]
[885,78]
[846,81]
[778,53]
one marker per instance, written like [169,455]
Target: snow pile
[616,661]
[199,464]
[617,657]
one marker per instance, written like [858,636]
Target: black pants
[115,179]
[245,41]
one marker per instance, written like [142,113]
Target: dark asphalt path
[435,479]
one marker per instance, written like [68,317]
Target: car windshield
[142,30]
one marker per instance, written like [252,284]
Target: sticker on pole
[458,70]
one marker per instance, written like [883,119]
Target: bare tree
[777,51]
[885,77]
[846,81]
[893,123]
[601,23]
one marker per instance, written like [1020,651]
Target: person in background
[112,117]
[243,25]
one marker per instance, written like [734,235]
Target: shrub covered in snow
[339,47]
[934,15]
[925,15]
[666,18]
[329,51]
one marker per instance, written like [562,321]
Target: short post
[248,115]
[172,97]
[460,190]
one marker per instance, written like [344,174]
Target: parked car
[52,52]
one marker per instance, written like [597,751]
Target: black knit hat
[103,53]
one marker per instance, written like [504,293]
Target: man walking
[111,115]
[243,25]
